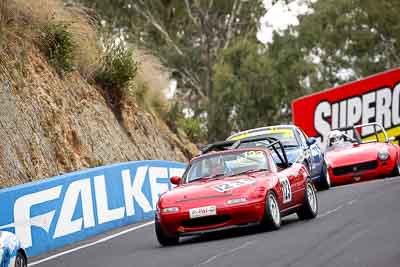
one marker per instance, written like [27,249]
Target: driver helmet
[217,165]
[335,137]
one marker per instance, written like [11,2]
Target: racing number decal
[232,185]
[286,189]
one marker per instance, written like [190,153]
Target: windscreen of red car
[226,164]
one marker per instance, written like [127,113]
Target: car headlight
[236,201]
[171,209]
[383,154]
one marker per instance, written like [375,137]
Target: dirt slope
[51,125]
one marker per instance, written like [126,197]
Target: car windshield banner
[373,99]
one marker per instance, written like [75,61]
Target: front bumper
[382,169]
[227,217]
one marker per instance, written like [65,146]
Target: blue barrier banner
[54,212]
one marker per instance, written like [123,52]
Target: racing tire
[309,209]
[272,215]
[396,170]
[165,239]
[20,260]
[325,180]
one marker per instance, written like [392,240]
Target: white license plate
[202,212]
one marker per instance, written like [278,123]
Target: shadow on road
[234,233]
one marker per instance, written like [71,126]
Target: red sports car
[350,159]
[233,187]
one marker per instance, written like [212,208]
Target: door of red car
[292,186]
[299,180]
[288,188]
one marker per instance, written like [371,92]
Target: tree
[349,40]
[254,85]
[211,50]
[187,35]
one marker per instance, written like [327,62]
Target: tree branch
[193,81]
[190,14]
[150,18]
[237,6]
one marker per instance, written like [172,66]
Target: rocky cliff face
[51,125]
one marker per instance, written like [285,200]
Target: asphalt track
[357,225]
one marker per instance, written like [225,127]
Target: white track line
[330,211]
[225,253]
[102,240]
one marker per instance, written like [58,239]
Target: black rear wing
[273,144]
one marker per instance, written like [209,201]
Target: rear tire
[309,209]
[163,238]
[325,180]
[272,213]
[20,260]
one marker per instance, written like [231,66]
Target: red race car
[350,159]
[228,186]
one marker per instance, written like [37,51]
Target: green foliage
[360,35]
[242,95]
[58,46]
[252,87]
[187,36]
[194,129]
[256,88]
[219,64]
[118,67]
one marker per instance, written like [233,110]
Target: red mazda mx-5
[352,159]
[228,186]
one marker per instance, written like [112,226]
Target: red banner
[373,99]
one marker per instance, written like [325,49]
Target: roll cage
[357,137]
[273,144]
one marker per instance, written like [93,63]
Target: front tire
[309,209]
[164,238]
[396,169]
[272,213]
[20,260]
[325,180]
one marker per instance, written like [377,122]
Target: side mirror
[176,180]
[310,141]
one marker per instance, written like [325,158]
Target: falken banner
[65,209]
[373,99]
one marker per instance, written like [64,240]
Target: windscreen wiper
[290,145]
[208,177]
[249,171]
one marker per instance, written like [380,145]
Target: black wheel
[164,238]
[20,260]
[272,213]
[396,170]
[309,209]
[324,181]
